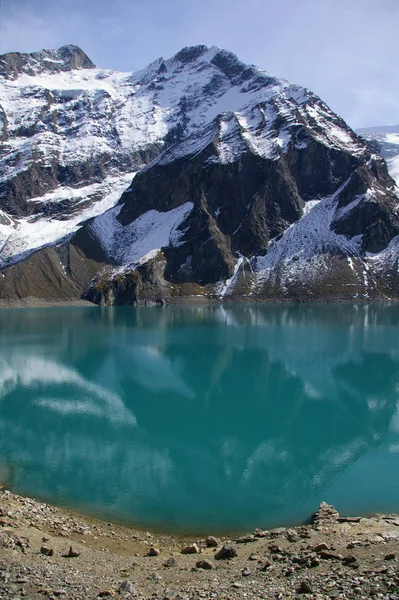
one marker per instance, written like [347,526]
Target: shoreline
[43,303]
[32,302]
[52,552]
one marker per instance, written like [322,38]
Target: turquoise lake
[202,418]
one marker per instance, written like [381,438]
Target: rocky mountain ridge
[197,176]
[385,140]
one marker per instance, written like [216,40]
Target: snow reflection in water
[204,417]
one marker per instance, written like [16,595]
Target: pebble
[277,531]
[47,551]
[320,547]
[227,551]
[349,560]
[190,549]
[305,587]
[245,539]
[127,586]
[155,577]
[212,542]
[170,562]
[153,552]
[330,555]
[71,553]
[204,564]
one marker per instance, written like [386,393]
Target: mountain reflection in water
[205,417]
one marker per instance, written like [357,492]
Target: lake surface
[202,418]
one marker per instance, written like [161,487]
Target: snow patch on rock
[126,245]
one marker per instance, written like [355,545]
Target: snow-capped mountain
[197,175]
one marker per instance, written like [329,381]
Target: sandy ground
[46,552]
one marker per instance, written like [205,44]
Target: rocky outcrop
[143,285]
[367,207]
[55,273]
[67,58]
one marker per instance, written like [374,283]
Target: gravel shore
[31,302]
[47,552]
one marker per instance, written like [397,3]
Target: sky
[346,51]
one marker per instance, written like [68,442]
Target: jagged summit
[197,174]
[66,58]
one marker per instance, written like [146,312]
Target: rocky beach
[48,552]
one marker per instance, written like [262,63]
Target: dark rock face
[3,124]
[142,286]
[41,177]
[66,58]
[240,206]
[374,217]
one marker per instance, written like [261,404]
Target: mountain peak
[190,53]
[66,58]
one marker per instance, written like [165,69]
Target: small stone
[277,531]
[227,551]
[237,585]
[320,547]
[212,542]
[292,535]
[154,577]
[245,539]
[47,551]
[72,553]
[170,562]
[314,562]
[190,549]
[153,552]
[330,555]
[274,549]
[246,572]
[107,594]
[254,557]
[126,586]
[204,564]
[354,544]
[266,565]
[390,556]
[260,533]
[347,560]
[305,587]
